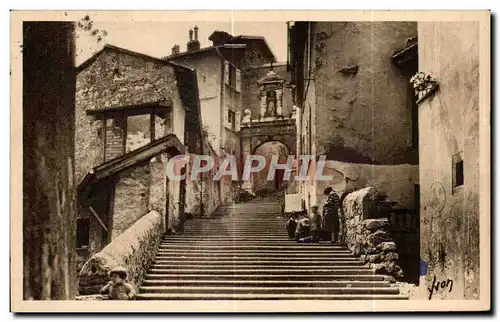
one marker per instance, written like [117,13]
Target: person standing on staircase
[331,213]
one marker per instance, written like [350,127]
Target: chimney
[193,45]
[219,38]
[176,49]
[196,33]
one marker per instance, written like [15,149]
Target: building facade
[228,75]
[355,107]
[448,111]
[133,114]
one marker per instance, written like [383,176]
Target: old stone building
[395,106]
[448,110]
[234,90]
[356,106]
[133,113]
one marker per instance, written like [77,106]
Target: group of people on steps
[317,227]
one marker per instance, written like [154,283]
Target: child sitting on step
[118,288]
[315,224]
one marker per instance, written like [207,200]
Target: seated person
[291,225]
[302,230]
[315,224]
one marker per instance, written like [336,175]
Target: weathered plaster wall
[117,79]
[157,187]
[449,124]
[132,193]
[208,72]
[362,116]
[397,181]
[307,138]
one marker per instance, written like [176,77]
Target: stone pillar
[279,100]
[247,150]
[49,207]
[263,103]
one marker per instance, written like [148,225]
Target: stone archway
[270,150]
[255,134]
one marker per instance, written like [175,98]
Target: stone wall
[114,78]
[134,249]
[369,239]
[449,126]
[362,113]
[132,193]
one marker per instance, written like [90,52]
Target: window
[82,233]
[232,76]
[138,131]
[124,133]
[230,119]
[458,170]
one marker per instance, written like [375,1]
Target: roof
[109,47]
[271,77]
[268,65]
[205,50]
[231,44]
[259,39]
[169,143]
[153,107]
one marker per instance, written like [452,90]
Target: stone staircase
[242,252]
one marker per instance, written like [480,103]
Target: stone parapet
[369,239]
[134,249]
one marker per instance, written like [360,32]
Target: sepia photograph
[231,161]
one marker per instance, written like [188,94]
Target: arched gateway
[270,125]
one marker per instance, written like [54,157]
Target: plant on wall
[423,85]
[91,39]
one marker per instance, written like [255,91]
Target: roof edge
[94,57]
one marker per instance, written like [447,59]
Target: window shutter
[237,126]
[238,80]
[226,120]
[226,72]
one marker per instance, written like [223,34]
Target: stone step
[266,263]
[259,254]
[253,251]
[236,266]
[268,290]
[268,297]
[266,271]
[218,237]
[268,277]
[238,227]
[263,283]
[229,226]
[230,231]
[235,258]
[263,262]
[236,243]
[295,246]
